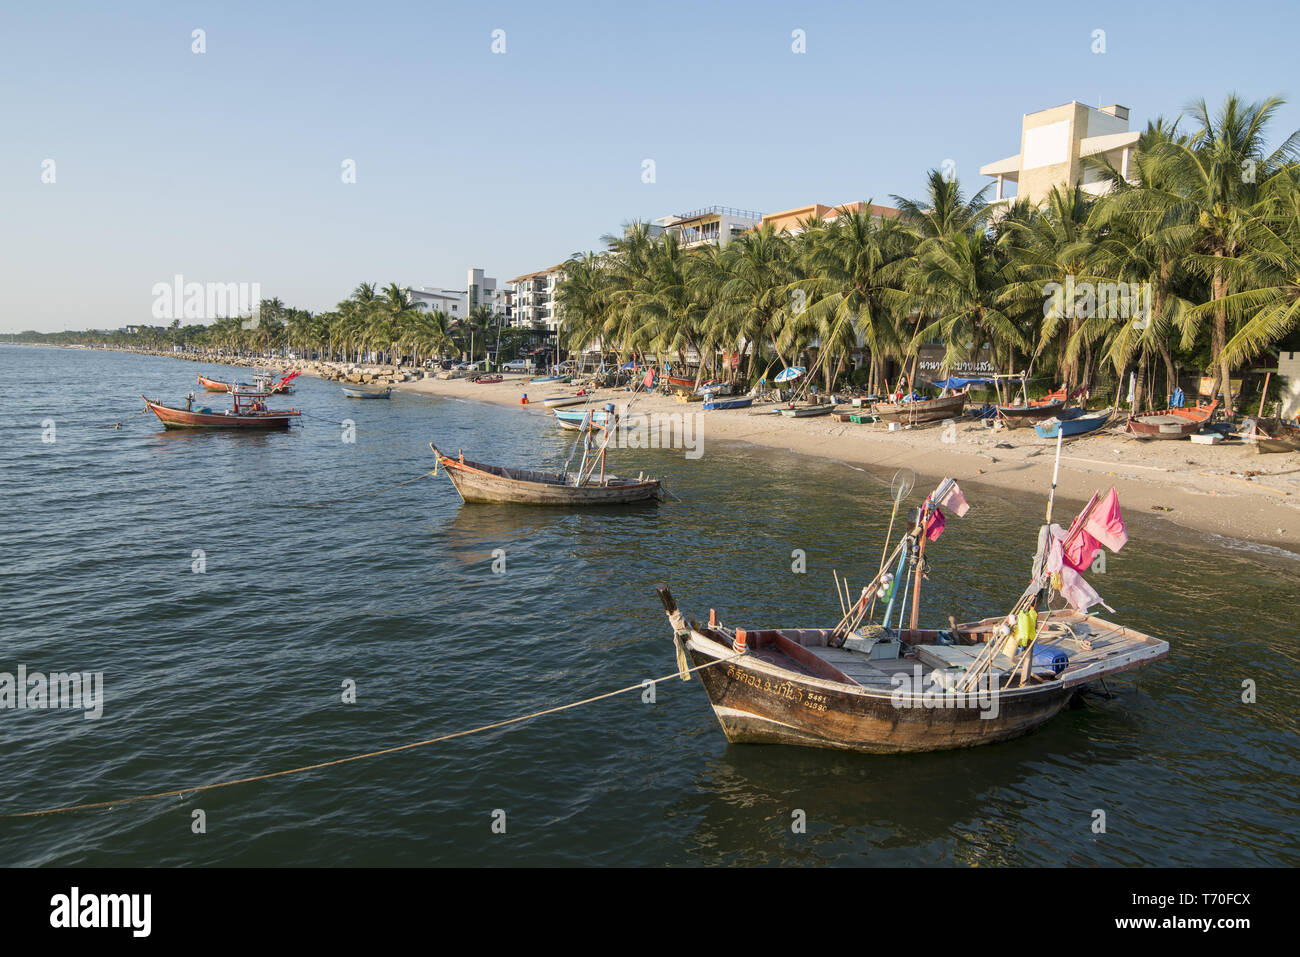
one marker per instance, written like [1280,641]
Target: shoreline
[1203,489]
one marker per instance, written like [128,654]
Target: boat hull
[757,703]
[922,410]
[213,385]
[1021,416]
[1072,428]
[1171,423]
[184,419]
[495,485]
[733,402]
[362,394]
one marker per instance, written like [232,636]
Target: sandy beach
[1226,489]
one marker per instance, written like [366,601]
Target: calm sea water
[239,670]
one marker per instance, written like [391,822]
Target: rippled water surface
[239,670]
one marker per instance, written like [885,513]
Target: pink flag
[955,501]
[649,379]
[934,526]
[1106,524]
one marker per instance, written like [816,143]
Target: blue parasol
[785,375]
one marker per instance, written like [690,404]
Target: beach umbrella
[785,375]
[627,366]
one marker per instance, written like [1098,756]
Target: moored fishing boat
[249,412]
[479,483]
[887,688]
[213,385]
[1072,423]
[366,393]
[1171,423]
[560,401]
[918,411]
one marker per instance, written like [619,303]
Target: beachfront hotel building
[792,221]
[712,224]
[1054,145]
[437,299]
[534,299]
[483,290]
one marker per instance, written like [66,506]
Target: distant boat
[807,411]
[366,394]
[538,380]
[922,410]
[728,402]
[213,385]
[249,412]
[559,401]
[494,484]
[489,379]
[1171,423]
[1071,423]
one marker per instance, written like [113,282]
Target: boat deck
[1094,648]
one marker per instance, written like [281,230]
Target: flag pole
[1056,470]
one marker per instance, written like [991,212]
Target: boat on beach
[886,688]
[807,411]
[918,411]
[1171,423]
[477,482]
[248,412]
[1072,423]
[488,379]
[714,403]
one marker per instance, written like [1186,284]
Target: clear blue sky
[225,166]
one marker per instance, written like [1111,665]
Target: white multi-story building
[435,299]
[1055,145]
[484,291]
[713,224]
[534,299]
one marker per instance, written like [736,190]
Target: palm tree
[1223,179]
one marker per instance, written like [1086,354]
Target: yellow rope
[369,754]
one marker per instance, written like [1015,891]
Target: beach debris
[1162,508]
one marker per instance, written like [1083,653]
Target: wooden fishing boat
[249,412]
[573,419]
[886,687]
[539,380]
[366,393]
[213,385]
[1072,423]
[1274,435]
[793,686]
[922,410]
[560,401]
[728,402]
[480,483]
[676,384]
[489,379]
[807,411]
[715,387]
[1171,423]
[1018,416]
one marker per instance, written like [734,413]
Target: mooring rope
[177,792]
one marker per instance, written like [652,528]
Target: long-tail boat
[727,402]
[477,482]
[922,410]
[1072,423]
[248,412]
[366,393]
[574,419]
[807,411]
[886,688]
[1171,423]
[213,385]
